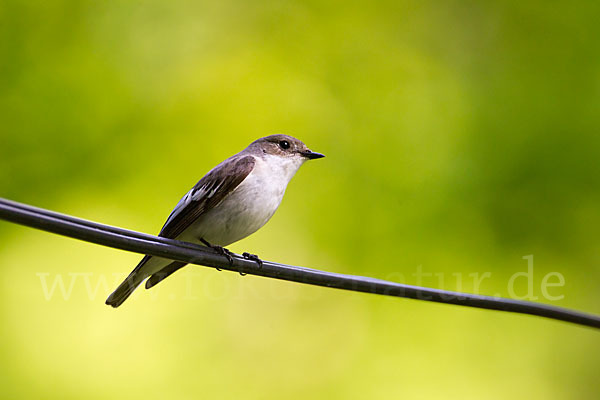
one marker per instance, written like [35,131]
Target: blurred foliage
[460,136]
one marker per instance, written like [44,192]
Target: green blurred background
[460,136]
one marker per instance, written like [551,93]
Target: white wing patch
[193,195]
[207,194]
[212,192]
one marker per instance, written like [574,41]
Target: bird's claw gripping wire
[224,252]
[253,257]
[221,250]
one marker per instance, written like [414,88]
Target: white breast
[249,206]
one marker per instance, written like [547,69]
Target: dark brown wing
[207,193]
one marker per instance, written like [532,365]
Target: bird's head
[283,153]
[284,146]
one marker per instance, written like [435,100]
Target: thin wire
[181,251]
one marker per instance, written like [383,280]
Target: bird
[232,201]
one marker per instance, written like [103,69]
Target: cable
[195,254]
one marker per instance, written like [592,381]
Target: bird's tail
[130,283]
[164,273]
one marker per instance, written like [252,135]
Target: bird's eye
[284,144]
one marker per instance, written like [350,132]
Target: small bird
[232,201]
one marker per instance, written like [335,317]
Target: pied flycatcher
[232,201]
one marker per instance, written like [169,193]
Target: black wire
[147,244]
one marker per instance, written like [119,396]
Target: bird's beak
[311,155]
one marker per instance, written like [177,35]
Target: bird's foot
[253,257]
[224,252]
[221,250]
